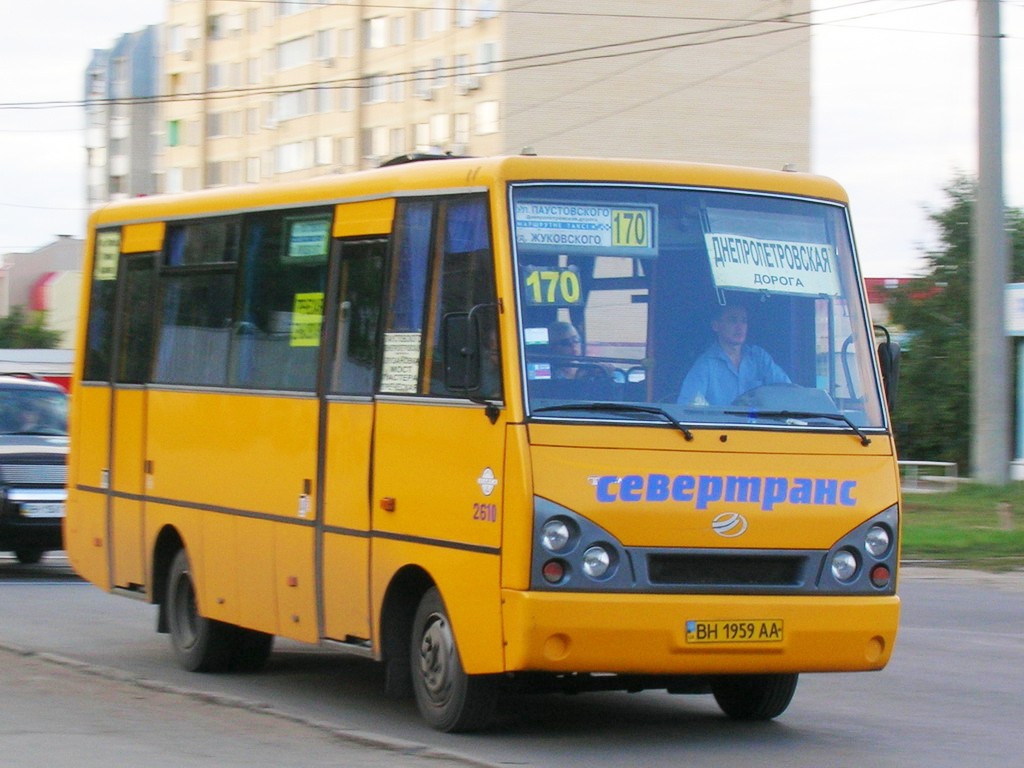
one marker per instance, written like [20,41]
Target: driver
[730,366]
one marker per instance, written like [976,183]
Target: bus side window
[407,280]
[359,310]
[464,279]
[276,339]
[102,299]
[442,264]
[197,290]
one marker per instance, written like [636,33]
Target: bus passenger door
[132,355]
[347,416]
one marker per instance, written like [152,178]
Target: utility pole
[992,419]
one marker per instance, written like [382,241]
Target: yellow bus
[500,423]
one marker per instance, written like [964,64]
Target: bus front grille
[726,570]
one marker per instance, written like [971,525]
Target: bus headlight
[555,535]
[844,565]
[877,540]
[596,562]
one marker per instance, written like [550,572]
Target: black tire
[200,644]
[448,698]
[754,697]
[28,556]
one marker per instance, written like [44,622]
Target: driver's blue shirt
[714,381]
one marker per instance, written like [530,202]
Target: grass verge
[975,526]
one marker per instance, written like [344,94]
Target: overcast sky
[894,115]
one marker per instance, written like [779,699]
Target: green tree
[21,331]
[933,411]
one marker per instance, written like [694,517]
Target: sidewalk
[58,713]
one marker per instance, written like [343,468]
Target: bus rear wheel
[448,699]
[200,644]
[754,697]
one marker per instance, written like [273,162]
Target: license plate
[735,631]
[42,509]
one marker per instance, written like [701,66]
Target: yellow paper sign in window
[307,317]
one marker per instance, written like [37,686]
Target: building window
[173,133]
[439,72]
[252,71]
[292,105]
[442,10]
[421,82]
[464,14]
[346,43]
[440,130]
[488,9]
[462,128]
[422,137]
[214,124]
[397,141]
[295,53]
[421,25]
[397,88]
[375,32]
[324,152]
[486,117]
[375,88]
[214,173]
[295,156]
[324,49]
[173,181]
[217,27]
[486,56]
[324,99]
[462,70]
[252,170]
[398,30]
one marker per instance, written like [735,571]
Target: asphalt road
[953,694]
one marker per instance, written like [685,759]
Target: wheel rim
[184,611]
[437,649]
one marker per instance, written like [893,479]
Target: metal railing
[929,476]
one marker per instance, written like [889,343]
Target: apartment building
[121,113]
[254,91]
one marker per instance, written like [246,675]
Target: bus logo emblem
[487,481]
[729,524]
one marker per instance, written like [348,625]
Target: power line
[568,56]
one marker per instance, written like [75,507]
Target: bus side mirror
[461,346]
[889,362]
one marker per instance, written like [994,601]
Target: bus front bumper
[696,634]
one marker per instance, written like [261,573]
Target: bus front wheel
[200,644]
[448,699]
[754,697]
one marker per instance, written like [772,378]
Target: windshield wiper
[864,439]
[620,408]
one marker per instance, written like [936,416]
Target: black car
[33,466]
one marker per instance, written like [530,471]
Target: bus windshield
[691,305]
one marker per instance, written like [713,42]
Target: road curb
[350,735]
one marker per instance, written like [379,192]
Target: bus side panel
[242,457]
[85,527]
[468,582]
[220,567]
[346,516]
[442,465]
[257,594]
[296,592]
[518,502]
[126,479]
[187,524]
[346,588]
